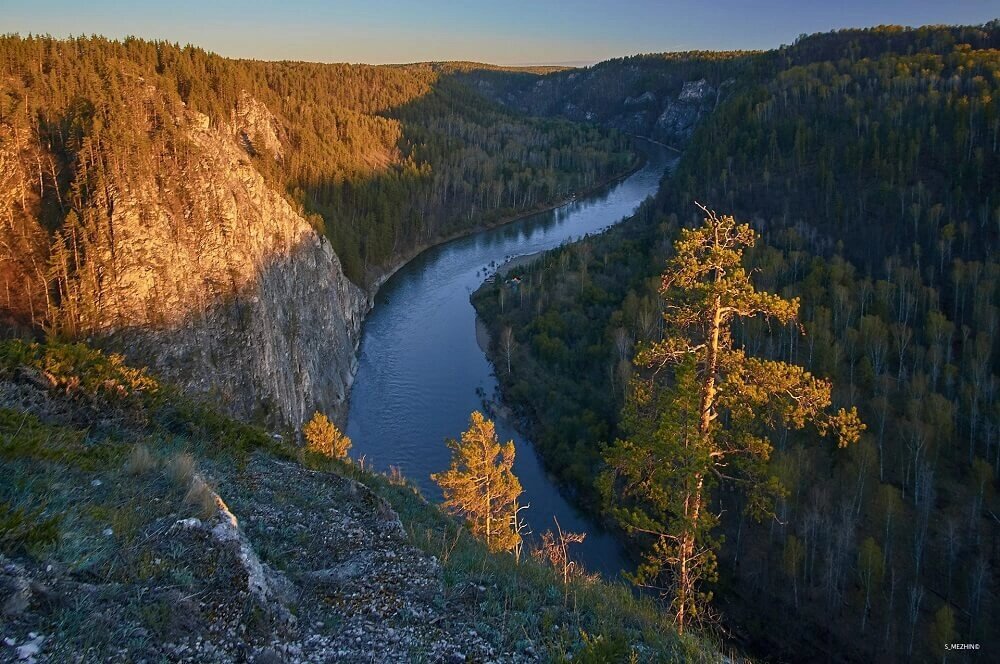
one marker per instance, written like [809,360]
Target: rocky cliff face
[198,268]
[278,322]
[680,116]
[256,128]
[650,97]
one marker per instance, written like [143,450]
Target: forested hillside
[661,96]
[869,161]
[173,203]
[382,159]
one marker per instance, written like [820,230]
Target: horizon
[305,360]
[518,34]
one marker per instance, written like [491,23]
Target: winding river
[421,371]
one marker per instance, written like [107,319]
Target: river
[421,372]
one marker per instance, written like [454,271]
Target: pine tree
[481,485]
[323,437]
[702,416]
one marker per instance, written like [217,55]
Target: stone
[268,656]
[29,650]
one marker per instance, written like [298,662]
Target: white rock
[28,650]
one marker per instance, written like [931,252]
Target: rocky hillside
[659,96]
[207,216]
[138,525]
[199,268]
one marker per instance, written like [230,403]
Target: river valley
[421,371]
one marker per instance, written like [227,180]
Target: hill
[139,524]
[868,161]
[225,221]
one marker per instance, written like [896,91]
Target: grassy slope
[92,523]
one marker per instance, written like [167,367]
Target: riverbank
[656,142]
[377,277]
[421,371]
[518,417]
[525,414]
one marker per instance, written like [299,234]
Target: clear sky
[497,31]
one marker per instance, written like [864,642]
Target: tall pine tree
[701,414]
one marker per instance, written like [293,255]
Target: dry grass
[140,461]
[396,477]
[201,497]
[181,469]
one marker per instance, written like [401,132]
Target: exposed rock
[282,324]
[16,591]
[676,123]
[269,588]
[256,127]
[668,109]
[201,271]
[31,649]
[695,92]
[645,98]
[268,656]
[364,593]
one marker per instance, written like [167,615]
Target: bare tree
[507,344]
[623,343]
[555,551]
[916,597]
[889,616]
[952,543]
[978,579]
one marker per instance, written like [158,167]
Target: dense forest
[383,160]
[869,162]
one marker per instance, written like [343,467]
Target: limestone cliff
[186,259]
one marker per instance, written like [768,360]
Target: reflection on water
[420,367]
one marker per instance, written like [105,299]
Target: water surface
[421,371]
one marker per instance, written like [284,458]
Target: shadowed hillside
[138,524]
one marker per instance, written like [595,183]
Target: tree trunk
[692,504]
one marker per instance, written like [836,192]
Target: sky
[496,31]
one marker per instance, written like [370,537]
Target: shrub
[323,437]
[76,369]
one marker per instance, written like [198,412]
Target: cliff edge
[179,254]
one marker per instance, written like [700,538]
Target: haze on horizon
[517,32]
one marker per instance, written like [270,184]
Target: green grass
[101,386]
[24,437]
